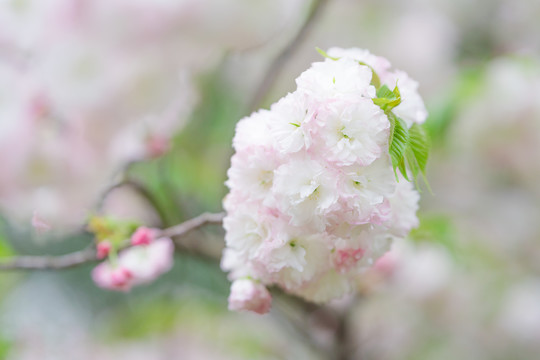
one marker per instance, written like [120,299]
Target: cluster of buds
[147,257]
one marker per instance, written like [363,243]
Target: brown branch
[88,255]
[277,64]
[66,261]
[343,349]
[192,224]
[122,175]
[140,190]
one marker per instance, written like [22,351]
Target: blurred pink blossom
[143,236]
[103,249]
[249,295]
[135,266]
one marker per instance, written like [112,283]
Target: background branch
[279,61]
[89,255]
[66,261]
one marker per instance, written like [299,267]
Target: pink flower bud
[143,236]
[103,249]
[249,295]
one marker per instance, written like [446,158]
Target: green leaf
[5,348]
[375,80]
[115,231]
[5,249]
[384,92]
[418,152]
[420,144]
[437,229]
[396,92]
[398,143]
[412,164]
[324,54]
[387,99]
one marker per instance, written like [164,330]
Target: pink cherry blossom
[248,295]
[135,266]
[112,277]
[314,201]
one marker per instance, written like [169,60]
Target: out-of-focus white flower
[520,315]
[419,272]
[412,108]
[89,85]
[313,200]
[249,295]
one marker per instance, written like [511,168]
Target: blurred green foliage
[190,178]
[438,229]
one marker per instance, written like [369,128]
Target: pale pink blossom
[111,277]
[353,132]
[346,258]
[411,109]
[135,266]
[249,295]
[330,80]
[313,200]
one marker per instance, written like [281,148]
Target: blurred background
[93,91]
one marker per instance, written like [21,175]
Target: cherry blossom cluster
[314,200]
[147,258]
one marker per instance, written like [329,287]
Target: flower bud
[143,236]
[103,249]
[249,295]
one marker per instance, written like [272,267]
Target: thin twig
[149,197]
[291,319]
[88,255]
[342,338]
[118,180]
[66,261]
[277,64]
[192,224]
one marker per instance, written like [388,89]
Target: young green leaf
[418,152]
[398,143]
[419,144]
[387,99]
[375,80]
[325,55]
[384,92]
